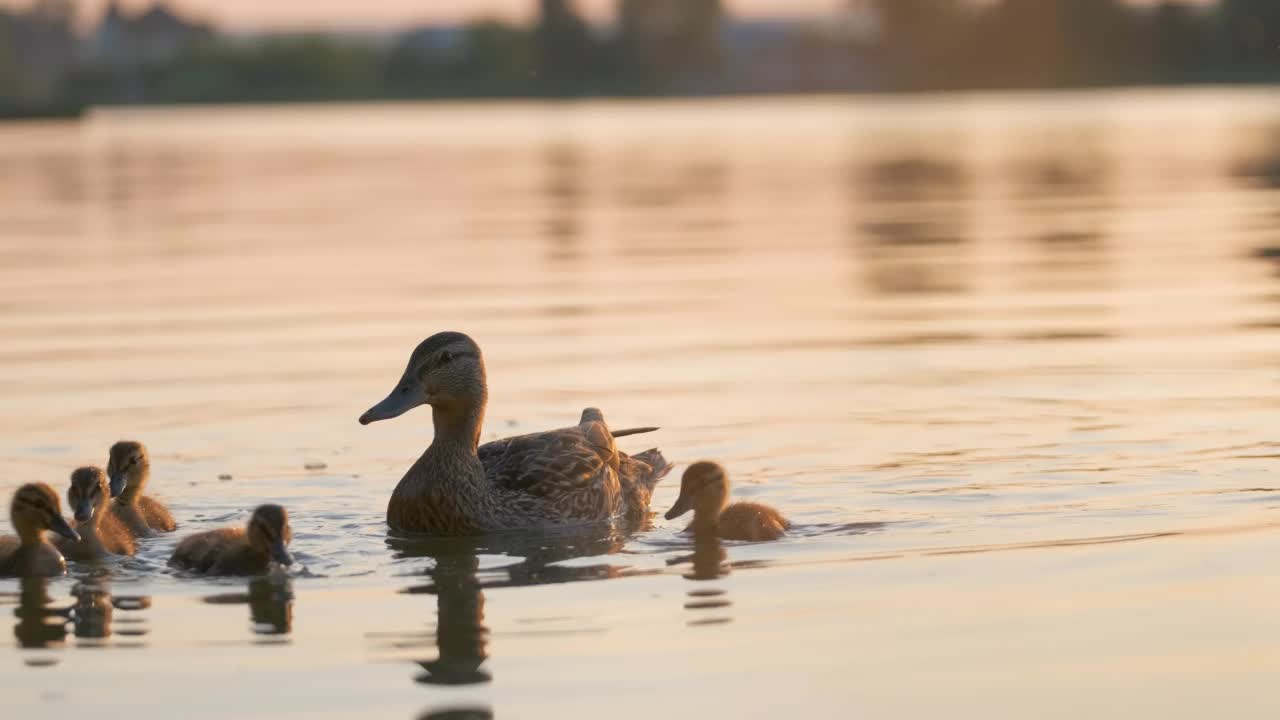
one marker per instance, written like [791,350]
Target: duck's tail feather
[654,459]
[638,475]
[634,431]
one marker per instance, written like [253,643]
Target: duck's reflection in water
[455,578]
[458,713]
[98,614]
[129,621]
[270,601]
[39,624]
[708,562]
[461,637]
[271,605]
[92,613]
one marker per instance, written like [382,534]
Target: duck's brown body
[29,559]
[34,510]
[744,521]
[570,476]
[705,490]
[142,516]
[237,551]
[220,552]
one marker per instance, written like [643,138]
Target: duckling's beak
[405,397]
[59,525]
[84,511]
[117,484]
[683,505]
[280,554]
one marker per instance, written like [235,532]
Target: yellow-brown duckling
[35,509]
[704,489]
[232,551]
[101,532]
[129,469]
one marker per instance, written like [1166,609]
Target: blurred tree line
[653,47]
[930,44]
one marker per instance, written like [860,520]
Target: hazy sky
[246,14]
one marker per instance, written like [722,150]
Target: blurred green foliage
[654,47]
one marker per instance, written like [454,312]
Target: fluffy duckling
[101,532]
[704,489]
[129,469]
[232,551]
[35,509]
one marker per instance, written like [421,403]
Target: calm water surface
[1010,363]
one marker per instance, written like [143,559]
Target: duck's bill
[682,506]
[280,554]
[84,512]
[117,484]
[59,525]
[400,401]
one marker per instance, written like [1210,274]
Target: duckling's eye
[446,357]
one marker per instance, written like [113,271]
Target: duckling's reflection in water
[92,612]
[458,584]
[271,605]
[462,713]
[270,601]
[92,615]
[708,562]
[39,625]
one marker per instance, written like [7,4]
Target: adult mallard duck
[704,489]
[570,476]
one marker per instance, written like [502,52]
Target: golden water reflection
[270,600]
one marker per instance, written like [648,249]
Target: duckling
[101,532]
[232,551]
[129,469]
[705,490]
[35,509]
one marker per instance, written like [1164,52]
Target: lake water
[1011,364]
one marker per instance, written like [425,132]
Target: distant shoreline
[70,111]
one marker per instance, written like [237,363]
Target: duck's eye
[446,357]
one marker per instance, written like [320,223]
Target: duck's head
[127,466]
[88,493]
[445,371]
[703,488]
[36,508]
[269,533]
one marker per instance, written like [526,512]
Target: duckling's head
[704,488]
[445,371]
[88,493]
[269,533]
[36,508]
[127,466]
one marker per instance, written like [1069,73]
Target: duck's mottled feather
[542,464]
[575,467]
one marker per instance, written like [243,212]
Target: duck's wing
[556,462]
